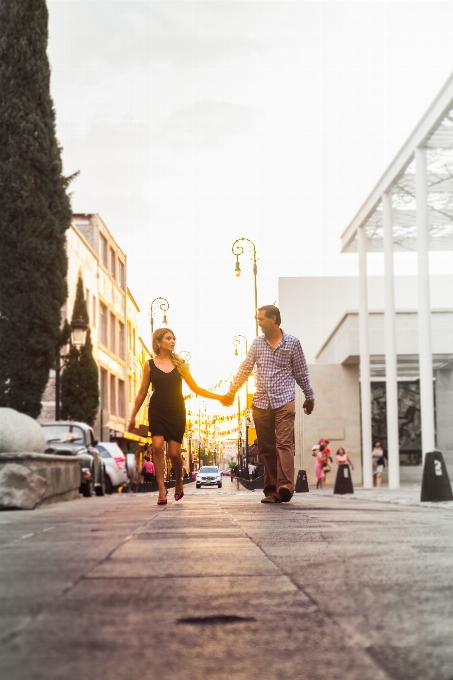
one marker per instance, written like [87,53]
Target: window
[103,248]
[112,262]
[121,271]
[112,333]
[113,395]
[93,318]
[121,345]
[121,399]
[104,389]
[104,324]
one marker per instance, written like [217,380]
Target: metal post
[255,274]
[365,372]
[391,375]
[424,306]
[57,388]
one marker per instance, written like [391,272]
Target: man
[280,363]
[252,469]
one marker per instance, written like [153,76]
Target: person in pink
[318,451]
[342,458]
[148,466]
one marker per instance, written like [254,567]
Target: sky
[196,123]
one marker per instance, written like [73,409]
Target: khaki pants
[275,430]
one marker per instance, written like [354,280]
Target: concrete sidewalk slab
[219,585]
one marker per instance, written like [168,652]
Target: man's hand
[308,406]
[131,425]
[227,399]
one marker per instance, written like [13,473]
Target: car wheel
[87,488]
[219,485]
[198,486]
[100,490]
[108,485]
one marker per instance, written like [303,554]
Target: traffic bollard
[343,481]
[436,485]
[301,482]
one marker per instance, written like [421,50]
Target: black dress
[167,411]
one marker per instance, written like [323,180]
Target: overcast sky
[195,123]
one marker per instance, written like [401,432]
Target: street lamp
[164,306]
[78,336]
[239,250]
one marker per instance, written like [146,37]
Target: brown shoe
[270,499]
[285,494]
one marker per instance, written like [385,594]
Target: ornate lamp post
[78,337]
[164,306]
[239,250]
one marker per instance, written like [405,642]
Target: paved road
[220,586]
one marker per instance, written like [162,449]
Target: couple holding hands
[280,363]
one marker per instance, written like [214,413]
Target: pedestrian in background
[378,457]
[342,458]
[252,469]
[318,451]
[148,473]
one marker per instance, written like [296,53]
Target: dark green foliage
[80,379]
[35,209]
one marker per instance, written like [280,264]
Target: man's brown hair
[270,311]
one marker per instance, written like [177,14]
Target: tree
[35,209]
[80,379]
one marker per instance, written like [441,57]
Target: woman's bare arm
[199,390]
[141,396]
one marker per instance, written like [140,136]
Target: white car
[115,465]
[208,475]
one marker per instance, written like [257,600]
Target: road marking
[26,536]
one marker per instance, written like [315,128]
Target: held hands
[308,407]
[227,399]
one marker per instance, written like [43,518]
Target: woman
[378,462]
[321,462]
[167,412]
[342,458]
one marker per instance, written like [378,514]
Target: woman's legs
[378,479]
[159,465]
[174,451]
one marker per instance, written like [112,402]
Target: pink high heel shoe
[162,501]
[178,496]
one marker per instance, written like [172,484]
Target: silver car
[208,475]
[115,465]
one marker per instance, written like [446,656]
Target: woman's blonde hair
[177,361]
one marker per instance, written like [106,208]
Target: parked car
[208,475]
[226,472]
[68,438]
[115,465]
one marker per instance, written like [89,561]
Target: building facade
[93,252]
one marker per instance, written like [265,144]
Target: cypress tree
[80,380]
[35,209]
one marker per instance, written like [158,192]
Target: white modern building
[409,209]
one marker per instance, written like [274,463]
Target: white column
[365,388]
[390,348]
[424,305]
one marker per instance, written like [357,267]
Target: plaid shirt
[277,371]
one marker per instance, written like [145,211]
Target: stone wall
[336,417]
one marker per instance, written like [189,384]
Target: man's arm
[300,373]
[243,373]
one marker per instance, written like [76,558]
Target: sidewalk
[219,585]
